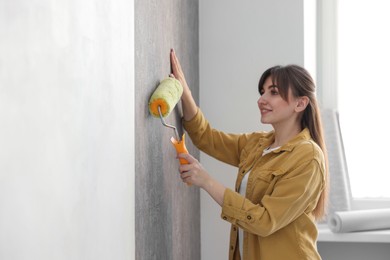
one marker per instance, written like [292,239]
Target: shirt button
[249,217]
[231,247]
[224,218]
[243,171]
[234,229]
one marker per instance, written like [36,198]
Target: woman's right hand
[189,105]
[178,72]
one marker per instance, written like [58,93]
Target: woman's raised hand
[177,70]
[189,105]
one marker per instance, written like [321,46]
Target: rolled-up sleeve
[292,195]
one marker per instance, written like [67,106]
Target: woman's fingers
[184,168]
[187,171]
[193,172]
[173,62]
[187,176]
[190,159]
[176,68]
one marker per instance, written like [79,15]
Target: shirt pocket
[263,184]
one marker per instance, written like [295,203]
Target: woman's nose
[261,100]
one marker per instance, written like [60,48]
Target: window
[363,90]
[352,56]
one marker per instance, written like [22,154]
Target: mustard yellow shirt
[282,191]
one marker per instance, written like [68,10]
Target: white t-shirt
[243,192]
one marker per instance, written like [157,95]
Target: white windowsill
[376,236]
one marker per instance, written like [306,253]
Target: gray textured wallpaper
[167,211]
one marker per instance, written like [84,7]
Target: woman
[282,180]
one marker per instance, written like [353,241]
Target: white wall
[66,129]
[238,41]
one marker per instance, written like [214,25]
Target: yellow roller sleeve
[167,94]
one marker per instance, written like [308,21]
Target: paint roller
[162,102]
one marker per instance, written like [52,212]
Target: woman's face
[273,108]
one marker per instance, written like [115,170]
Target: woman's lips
[265,111]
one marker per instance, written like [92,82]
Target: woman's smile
[264,111]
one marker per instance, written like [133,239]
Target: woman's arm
[188,103]
[224,147]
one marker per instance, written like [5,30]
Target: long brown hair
[301,84]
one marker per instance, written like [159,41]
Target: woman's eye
[274,92]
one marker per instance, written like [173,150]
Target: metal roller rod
[167,125]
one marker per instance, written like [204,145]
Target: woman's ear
[302,103]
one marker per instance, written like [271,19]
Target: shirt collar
[304,135]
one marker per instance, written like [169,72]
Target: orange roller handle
[180,147]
